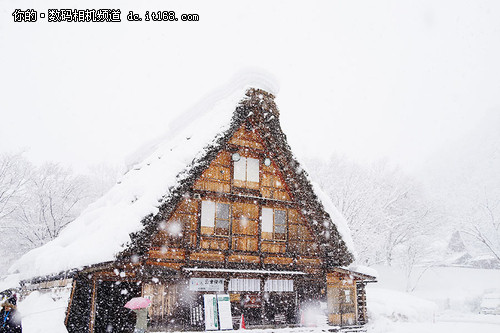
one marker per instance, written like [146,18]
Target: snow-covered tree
[482,223]
[466,183]
[385,208]
[36,203]
[15,172]
[54,198]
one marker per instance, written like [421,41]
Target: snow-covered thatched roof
[123,217]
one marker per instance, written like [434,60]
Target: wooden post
[262,302]
[68,310]
[93,305]
[355,300]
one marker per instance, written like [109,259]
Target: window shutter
[207,213]
[267,220]
[240,169]
[253,170]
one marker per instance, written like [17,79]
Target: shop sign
[252,301]
[206,284]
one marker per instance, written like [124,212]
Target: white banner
[211,314]
[225,319]
[278,285]
[244,285]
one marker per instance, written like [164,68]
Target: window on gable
[222,219]
[274,222]
[215,218]
[246,172]
[279,224]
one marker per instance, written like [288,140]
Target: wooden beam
[244,259]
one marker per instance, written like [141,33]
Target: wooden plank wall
[341,311]
[244,244]
[217,178]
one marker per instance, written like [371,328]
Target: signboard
[252,301]
[206,284]
[211,314]
[225,318]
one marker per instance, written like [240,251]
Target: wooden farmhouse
[221,212]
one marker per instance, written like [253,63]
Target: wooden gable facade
[244,221]
[240,211]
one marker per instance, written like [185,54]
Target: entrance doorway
[111,315]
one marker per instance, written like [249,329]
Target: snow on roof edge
[242,81]
[337,218]
[112,218]
[115,216]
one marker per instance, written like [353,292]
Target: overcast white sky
[367,79]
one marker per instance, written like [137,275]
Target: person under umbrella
[139,306]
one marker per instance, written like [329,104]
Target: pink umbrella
[137,303]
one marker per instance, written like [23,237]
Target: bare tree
[482,223]
[385,209]
[15,172]
[36,203]
[55,197]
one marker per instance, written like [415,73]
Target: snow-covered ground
[436,327]
[445,299]
[450,288]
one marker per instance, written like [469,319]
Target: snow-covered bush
[44,312]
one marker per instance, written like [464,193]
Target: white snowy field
[445,299]
[437,327]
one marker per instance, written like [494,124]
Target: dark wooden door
[111,315]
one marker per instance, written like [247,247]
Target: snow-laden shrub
[44,312]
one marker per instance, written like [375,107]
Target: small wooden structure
[244,221]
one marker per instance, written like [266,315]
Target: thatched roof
[122,222]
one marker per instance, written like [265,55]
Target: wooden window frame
[215,219]
[285,225]
[228,220]
[245,182]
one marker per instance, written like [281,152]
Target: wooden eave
[355,275]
